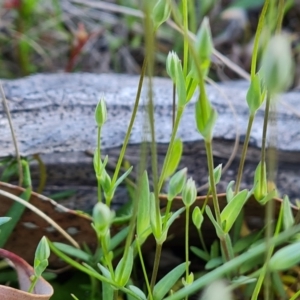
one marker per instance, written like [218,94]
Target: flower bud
[189,193]
[174,70]
[204,41]
[102,218]
[101,113]
[277,64]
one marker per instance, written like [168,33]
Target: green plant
[252,261]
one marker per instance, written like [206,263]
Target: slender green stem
[185,42]
[34,281]
[93,287]
[280,16]
[135,204]
[134,112]
[168,209]
[144,269]
[99,163]
[210,163]
[193,12]
[106,256]
[13,135]
[263,144]
[174,106]
[187,222]
[202,241]
[156,265]
[153,151]
[256,38]
[228,247]
[173,136]
[244,152]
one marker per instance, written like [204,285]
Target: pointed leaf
[254,94]
[233,209]
[155,220]
[104,271]
[285,258]
[168,281]
[229,191]
[174,216]
[219,230]
[124,268]
[175,157]
[197,217]
[138,292]
[143,216]
[213,263]
[200,253]
[288,218]
[72,251]
[121,179]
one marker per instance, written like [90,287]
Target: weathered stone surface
[53,114]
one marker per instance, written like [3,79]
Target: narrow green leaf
[121,179]
[104,271]
[72,251]
[254,94]
[175,157]
[233,209]
[229,191]
[124,269]
[160,13]
[200,253]
[214,263]
[217,174]
[215,249]
[206,117]
[138,292]
[261,185]
[143,216]
[174,216]
[197,217]
[219,230]
[269,196]
[155,220]
[168,281]
[242,280]
[191,85]
[176,184]
[285,258]
[288,218]
[245,242]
